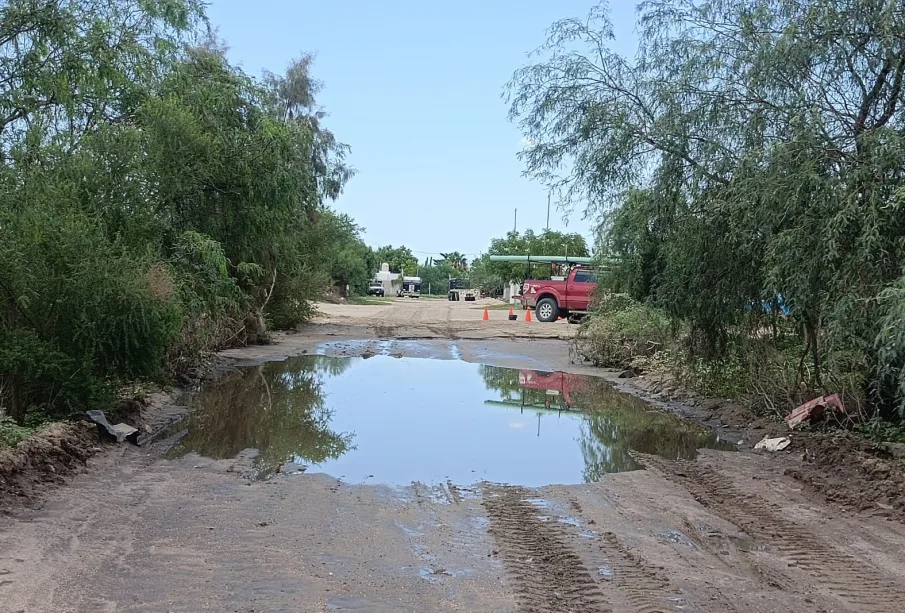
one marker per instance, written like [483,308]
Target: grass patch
[11,432]
[759,369]
[369,301]
[877,430]
[504,307]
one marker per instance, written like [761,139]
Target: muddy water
[398,420]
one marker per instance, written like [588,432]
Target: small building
[390,281]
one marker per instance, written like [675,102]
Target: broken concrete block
[119,432]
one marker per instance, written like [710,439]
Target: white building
[390,281]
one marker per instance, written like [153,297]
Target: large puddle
[398,420]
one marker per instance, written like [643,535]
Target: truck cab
[375,288]
[557,298]
[411,287]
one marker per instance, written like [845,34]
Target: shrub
[619,330]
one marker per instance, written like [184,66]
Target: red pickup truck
[554,299]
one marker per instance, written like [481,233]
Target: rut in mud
[833,571]
[546,575]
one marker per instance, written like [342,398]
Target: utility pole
[515,222]
[548,212]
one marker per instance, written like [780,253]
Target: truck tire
[547,310]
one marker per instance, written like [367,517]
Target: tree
[748,153]
[454,259]
[70,66]
[435,278]
[155,201]
[399,258]
[292,96]
[484,277]
[349,260]
[550,242]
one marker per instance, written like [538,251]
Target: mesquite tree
[749,154]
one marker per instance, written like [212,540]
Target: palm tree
[455,259]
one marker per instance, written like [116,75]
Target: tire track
[630,582]
[840,574]
[642,585]
[546,574]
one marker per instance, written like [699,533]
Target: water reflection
[613,422]
[277,408]
[432,420]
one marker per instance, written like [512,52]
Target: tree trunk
[17,408]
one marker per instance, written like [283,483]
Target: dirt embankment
[53,455]
[47,457]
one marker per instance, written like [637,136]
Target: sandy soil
[726,532]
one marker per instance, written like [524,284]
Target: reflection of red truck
[561,382]
[554,299]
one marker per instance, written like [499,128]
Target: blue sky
[414,87]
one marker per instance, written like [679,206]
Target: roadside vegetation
[746,166]
[156,202]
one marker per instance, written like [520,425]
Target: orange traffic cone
[511,313]
[528,315]
[486,315]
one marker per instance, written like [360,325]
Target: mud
[725,531]
[44,459]
[546,574]
[848,472]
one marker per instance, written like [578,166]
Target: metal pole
[548,212]
[515,222]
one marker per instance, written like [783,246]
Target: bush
[619,330]
[11,432]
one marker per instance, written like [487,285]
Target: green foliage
[155,201]
[401,259]
[548,242]
[879,431]
[349,261]
[455,260]
[435,278]
[621,330]
[11,432]
[890,343]
[732,185]
[484,275]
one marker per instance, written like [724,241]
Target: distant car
[376,289]
[469,295]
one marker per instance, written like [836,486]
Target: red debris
[815,409]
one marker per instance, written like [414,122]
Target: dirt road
[138,532]
[436,318]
